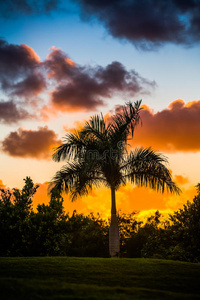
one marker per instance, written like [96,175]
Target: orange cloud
[128,198]
[42,196]
[179,179]
[1,184]
[173,129]
[33,55]
[31,143]
[77,125]
[69,61]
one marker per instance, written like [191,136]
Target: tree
[185,230]
[48,229]
[151,240]
[87,236]
[97,154]
[15,212]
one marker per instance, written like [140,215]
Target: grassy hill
[97,278]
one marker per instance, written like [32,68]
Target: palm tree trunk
[114,247]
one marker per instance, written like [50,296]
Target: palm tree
[97,154]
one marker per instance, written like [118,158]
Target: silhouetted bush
[51,231]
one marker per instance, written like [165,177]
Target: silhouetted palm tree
[97,154]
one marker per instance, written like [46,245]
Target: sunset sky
[63,61]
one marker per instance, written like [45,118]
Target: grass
[97,278]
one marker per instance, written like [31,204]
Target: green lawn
[97,278]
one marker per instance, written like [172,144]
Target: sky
[64,61]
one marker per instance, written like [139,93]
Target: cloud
[59,65]
[2,185]
[41,196]
[86,87]
[128,199]
[147,24]
[179,179]
[30,143]
[21,80]
[173,129]
[21,73]
[16,59]
[68,85]
[131,198]
[11,113]
[13,8]
[32,85]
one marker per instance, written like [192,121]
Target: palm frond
[95,128]
[124,123]
[128,118]
[72,146]
[76,178]
[145,167]
[96,123]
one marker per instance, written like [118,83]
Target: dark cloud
[59,65]
[24,77]
[85,87]
[147,23]
[11,113]
[16,59]
[10,8]
[21,79]
[29,87]
[21,73]
[76,97]
[32,85]
[30,143]
[173,129]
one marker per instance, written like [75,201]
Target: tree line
[50,231]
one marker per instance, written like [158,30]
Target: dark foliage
[51,232]
[178,238]
[185,229]
[15,215]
